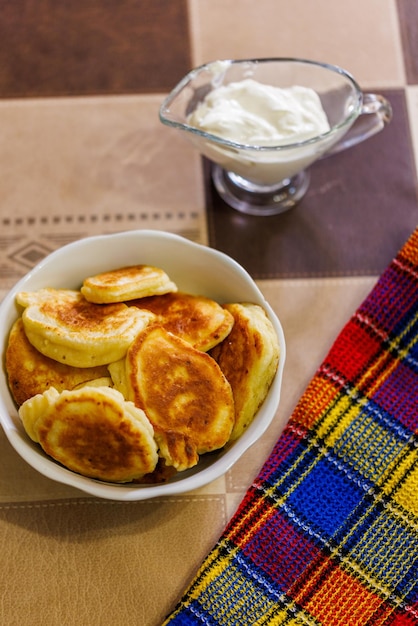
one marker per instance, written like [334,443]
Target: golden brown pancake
[27,298]
[65,327]
[30,372]
[92,431]
[200,321]
[249,358]
[127,283]
[184,394]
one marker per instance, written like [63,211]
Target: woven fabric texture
[328,532]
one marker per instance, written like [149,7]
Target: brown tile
[92,47]
[408,21]
[99,562]
[412,100]
[360,208]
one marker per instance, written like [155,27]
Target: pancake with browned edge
[93,431]
[248,357]
[184,394]
[127,283]
[30,372]
[200,321]
[64,326]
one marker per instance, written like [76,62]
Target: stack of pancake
[129,379]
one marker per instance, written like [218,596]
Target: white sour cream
[258,117]
[252,113]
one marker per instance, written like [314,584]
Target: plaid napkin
[328,532]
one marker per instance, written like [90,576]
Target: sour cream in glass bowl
[263,122]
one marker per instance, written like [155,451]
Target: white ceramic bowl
[196,269]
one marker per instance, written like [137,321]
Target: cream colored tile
[216,487]
[88,157]
[362,37]
[412,103]
[102,563]
[312,313]
[233,500]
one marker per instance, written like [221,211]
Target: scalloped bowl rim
[196,268]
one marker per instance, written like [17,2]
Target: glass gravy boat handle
[375,114]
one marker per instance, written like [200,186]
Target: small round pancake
[67,328]
[28,298]
[248,357]
[92,431]
[30,372]
[200,321]
[127,283]
[184,394]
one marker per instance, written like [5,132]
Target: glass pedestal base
[254,199]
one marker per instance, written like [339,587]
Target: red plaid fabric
[328,532]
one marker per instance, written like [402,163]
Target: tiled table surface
[82,152]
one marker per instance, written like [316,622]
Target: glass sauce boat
[266,180]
